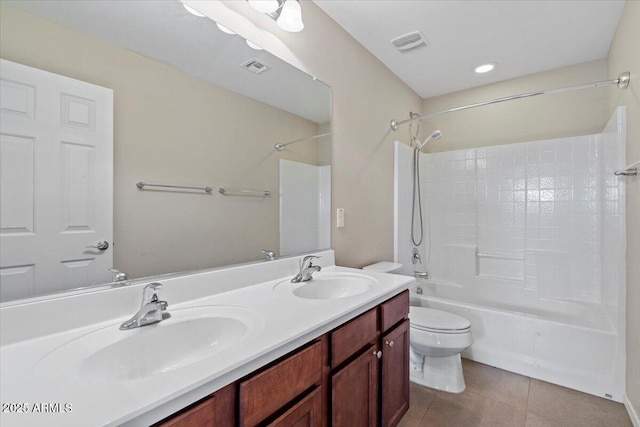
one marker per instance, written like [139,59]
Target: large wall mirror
[193,106]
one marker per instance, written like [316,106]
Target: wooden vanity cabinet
[356,375]
[370,367]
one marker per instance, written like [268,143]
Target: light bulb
[252,45]
[224,29]
[264,6]
[193,11]
[290,18]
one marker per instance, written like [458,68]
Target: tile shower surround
[552,209]
[528,242]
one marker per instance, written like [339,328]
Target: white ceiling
[522,36]
[165,31]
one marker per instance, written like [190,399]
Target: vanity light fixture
[224,29]
[290,18]
[193,11]
[286,13]
[484,68]
[264,6]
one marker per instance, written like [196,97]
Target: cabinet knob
[389,343]
[377,354]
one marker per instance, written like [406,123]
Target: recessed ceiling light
[224,29]
[193,11]
[485,68]
[252,45]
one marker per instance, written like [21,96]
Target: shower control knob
[378,354]
[389,343]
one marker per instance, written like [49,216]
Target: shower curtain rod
[280,147]
[622,82]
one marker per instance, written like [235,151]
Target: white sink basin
[189,336]
[330,286]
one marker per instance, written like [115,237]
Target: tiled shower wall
[544,216]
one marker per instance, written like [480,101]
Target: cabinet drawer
[353,336]
[394,310]
[263,394]
[306,413]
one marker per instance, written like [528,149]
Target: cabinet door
[306,413]
[395,374]
[354,392]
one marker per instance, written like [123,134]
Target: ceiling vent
[411,41]
[255,66]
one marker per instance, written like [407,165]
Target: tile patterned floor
[497,398]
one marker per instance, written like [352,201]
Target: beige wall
[531,119]
[173,128]
[365,97]
[625,56]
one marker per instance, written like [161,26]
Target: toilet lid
[435,320]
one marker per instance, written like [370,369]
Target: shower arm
[622,82]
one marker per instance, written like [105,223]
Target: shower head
[435,135]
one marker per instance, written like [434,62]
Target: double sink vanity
[241,345]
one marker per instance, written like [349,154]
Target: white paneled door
[56,182]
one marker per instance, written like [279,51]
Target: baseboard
[633,414]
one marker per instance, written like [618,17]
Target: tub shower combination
[527,241]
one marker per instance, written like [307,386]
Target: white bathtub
[562,342]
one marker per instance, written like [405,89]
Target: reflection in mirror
[192,106]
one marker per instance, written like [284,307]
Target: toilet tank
[384,267]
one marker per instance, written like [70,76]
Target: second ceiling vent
[410,41]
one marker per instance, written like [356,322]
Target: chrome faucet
[152,310]
[119,277]
[306,269]
[271,255]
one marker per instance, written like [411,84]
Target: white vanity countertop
[286,323]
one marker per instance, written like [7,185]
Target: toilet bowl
[436,339]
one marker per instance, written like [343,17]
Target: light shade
[252,45]
[193,11]
[290,18]
[223,28]
[484,68]
[264,6]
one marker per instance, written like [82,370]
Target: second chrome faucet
[306,269]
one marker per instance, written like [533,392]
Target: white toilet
[436,340]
